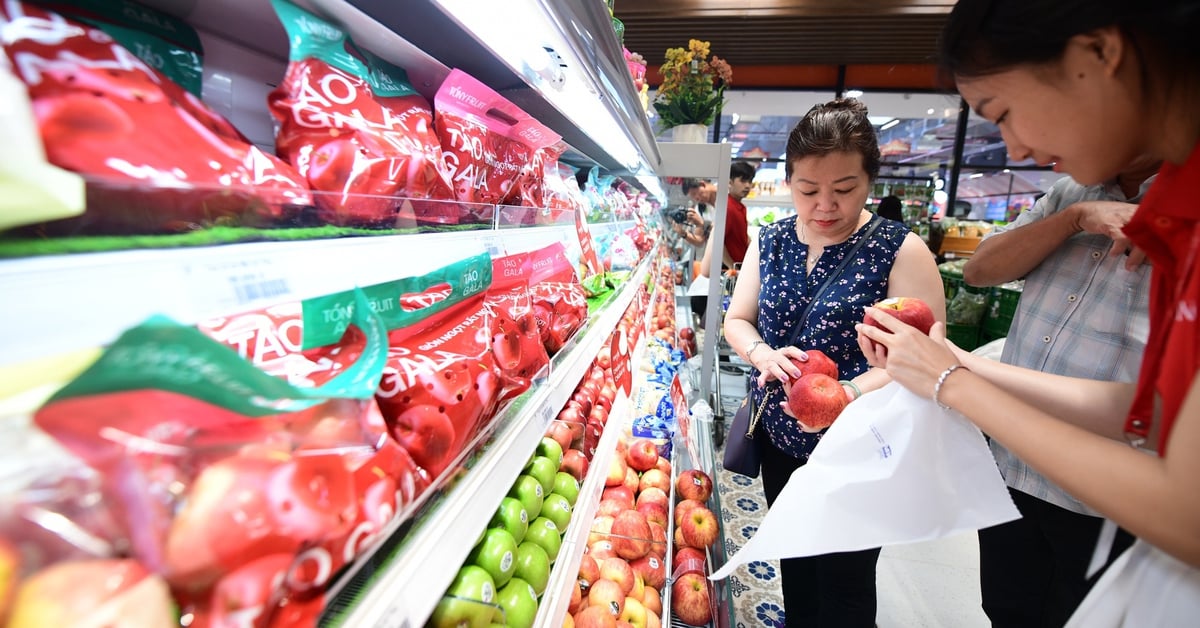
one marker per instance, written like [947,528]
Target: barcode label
[249,288]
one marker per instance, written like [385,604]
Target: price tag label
[237,284]
[545,415]
[494,246]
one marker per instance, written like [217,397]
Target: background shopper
[891,207]
[1084,313]
[1132,69]
[831,161]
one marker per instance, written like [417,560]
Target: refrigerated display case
[569,74]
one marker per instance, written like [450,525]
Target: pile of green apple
[509,567]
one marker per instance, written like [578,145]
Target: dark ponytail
[835,126]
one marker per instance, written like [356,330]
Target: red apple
[617,569]
[690,599]
[817,362]
[607,595]
[653,601]
[663,465]
[642,455]
[621,494]
[589,571]
[427,434]
[654,478]
[601,527]
[575,463]
[616,472]
[599,414]
[561,433]
[595,617]
[576,602]
[610,508]
[632,481]
[679,540]
[654,512]
[631,535]
[910,310]
[690,560]
[816,400]
[694,484]
[683,508]
[652,569]
[700,528]
[658,540]
[95,592]
[634,613]
[653,495]
[601,550]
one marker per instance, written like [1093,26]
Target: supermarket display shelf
[566,569]
[100,295]
[408,586]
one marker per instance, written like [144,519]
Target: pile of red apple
[509,567]
[623,570]
[696,530]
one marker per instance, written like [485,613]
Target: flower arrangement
[693,86]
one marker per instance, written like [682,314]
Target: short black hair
[742,170]
[691,184]
[891,207]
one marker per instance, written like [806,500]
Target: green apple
[529,490]
[557,509]
[533,566]
[519,602]
[468,601]
[545,533]
[511,516]
[497,554]
[566,485]
[544,469]
[550,449]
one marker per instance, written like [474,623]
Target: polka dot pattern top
[786,289]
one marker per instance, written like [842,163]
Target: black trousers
[833,590]
[1032,570]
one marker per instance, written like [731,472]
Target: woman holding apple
[809,277]
[1133,70]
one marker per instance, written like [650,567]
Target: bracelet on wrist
[937,388]
[754,345]
[852,386]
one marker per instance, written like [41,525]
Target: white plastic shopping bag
[894,468]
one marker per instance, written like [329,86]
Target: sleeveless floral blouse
[786,289]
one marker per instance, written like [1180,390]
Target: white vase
[690,133]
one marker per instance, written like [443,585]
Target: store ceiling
[788,32]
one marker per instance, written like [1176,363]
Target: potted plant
[692,90]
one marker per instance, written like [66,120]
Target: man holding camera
[737,236]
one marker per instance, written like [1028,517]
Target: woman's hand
[910,357]
[776,364]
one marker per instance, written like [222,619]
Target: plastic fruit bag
[441,382]
[215,464]
[353,125]
[105,113]
[487,141]
[517,344]
[558,299]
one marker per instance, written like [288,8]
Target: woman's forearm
[1096,406]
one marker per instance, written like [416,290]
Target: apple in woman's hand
[910,310]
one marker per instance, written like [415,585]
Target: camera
[678,215]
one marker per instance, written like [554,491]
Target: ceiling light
[976,175]
[854,93]
[1006,171]
[888,125]
[929,111]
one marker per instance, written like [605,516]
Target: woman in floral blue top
[832,160]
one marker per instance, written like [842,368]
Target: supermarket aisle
[921,585]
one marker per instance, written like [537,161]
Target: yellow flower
[693,86]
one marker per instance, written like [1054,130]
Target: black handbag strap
[871,226]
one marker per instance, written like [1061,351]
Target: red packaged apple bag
[164,161]
[517,344]
[352,124]
[212,464]
[441,382]
[558,299]
[486,140]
